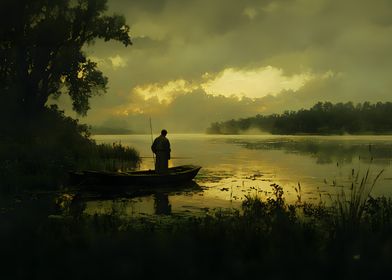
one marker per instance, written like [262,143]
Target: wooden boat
[175,175]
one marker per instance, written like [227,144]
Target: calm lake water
[236,166]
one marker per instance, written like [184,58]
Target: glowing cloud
[254,83]
[167,91]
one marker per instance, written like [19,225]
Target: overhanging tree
[41,52]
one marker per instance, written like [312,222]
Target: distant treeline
[322,118]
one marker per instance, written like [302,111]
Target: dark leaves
[41,50]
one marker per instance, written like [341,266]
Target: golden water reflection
[236,166]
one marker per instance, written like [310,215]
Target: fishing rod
[152,139]
[171,157]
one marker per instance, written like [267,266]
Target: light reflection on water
[235,166]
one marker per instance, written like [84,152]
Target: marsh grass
[350,207]
[109,157]
[39,154]
[268,238]
[34,168]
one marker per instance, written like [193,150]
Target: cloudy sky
[198,61]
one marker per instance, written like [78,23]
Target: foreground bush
[266,239]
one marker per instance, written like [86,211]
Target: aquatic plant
[350,207]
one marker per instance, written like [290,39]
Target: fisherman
[161,148]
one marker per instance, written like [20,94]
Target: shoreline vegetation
[41,154]
[351,239]
[324,118]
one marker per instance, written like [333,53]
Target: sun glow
[255,83]
[165,92]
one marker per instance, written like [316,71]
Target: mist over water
[239,165]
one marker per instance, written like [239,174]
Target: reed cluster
[40,154]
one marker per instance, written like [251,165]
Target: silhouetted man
[161,148]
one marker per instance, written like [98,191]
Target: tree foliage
[41,51]
[322,118]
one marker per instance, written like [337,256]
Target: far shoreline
[201,134]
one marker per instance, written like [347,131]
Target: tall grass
[40,153]
[34,168]
[109,157]
[269,238]
[350,207]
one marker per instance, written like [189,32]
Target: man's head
[164,132]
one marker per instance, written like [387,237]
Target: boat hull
[175,175]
